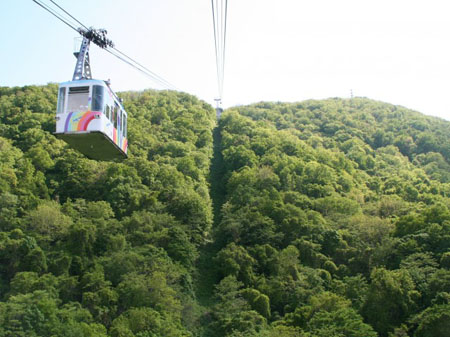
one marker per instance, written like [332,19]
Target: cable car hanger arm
[96,36]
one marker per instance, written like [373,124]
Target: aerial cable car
[90,117]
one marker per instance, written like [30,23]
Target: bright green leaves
[337,194]
[434,321]
[327,211]
[328,314]
[41,314]
[391,299]
[145,322]
[48,222]
[238,309]
[138,290]
[114,251]
[234,260]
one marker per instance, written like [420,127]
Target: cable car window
[121,121]
[61,100]
[125,126]
[78,99]
[98,97]
[113,114]
[78,90]
[116,114]
[107,111]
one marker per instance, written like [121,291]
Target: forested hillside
[93,248]
[321,218]
[335,221]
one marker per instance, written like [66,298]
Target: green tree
[390,300]
[433,321]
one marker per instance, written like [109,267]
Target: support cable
[117,53]
[216,44]
[155,78]
[48,9]
[53,2]
[150,73]
[219,11]
[224,41]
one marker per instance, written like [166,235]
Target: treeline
[102,249]
[336,221]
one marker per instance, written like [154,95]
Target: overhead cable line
[53,2]
[150,73]
[219,14]
[154,77]
[215,44]
[117,53]
[51,11]
[224,39]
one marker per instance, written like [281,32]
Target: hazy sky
[397,51]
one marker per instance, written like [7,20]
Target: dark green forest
[325,218]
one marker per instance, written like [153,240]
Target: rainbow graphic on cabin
[79,121]
[121,141]
[124,145]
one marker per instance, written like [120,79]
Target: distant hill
[317,218]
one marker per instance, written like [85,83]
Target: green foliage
[40,314]
[94,248]
[233,312]
[390,300]
[348,195]
[144,322]
[329,314]
[433,321]
[325,213]
[235,260]
[258,302]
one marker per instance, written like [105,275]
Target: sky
[396,51]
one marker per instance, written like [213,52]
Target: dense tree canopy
[338,212]
[320,218]
[95,248]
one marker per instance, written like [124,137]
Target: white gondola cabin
[91,118]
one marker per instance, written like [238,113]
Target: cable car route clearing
[219,15]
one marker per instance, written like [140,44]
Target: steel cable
[219,11]
[156,78]
[53,2]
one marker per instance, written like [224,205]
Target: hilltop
[317,218]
